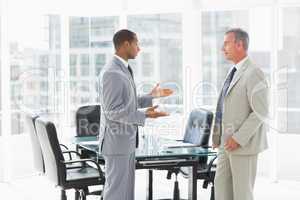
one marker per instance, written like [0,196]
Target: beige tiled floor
[36,188]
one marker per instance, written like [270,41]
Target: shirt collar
[122,60]
[239,64]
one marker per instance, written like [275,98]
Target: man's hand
[231,144]
[160,92]
[151,113]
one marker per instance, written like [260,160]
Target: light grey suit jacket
[120,116]
[246,111]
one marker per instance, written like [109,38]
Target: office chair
[56,170]
[197,131]
[38,160]
[87,124]
[88,120]
[36,147]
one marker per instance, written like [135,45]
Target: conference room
[52,57]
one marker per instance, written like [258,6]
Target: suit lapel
[126,71]
[238,75]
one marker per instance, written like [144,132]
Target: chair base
[176,191]
[63,195]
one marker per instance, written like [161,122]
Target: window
[72,71]
[147,63]
[214,66]
[17,128]
[91,39]
[288,71]
[79,32]
[35,65]
[102,29]
[44,60]
[15,71]
[99,63]
[73,64]
[160,39]
[84,62]
[84,59]
[73,59]
[84,71]
[85,86]
[44,85]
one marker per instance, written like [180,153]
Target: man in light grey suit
[120,117]
[240,121]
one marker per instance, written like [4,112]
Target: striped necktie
[219,110]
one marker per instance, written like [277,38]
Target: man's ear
[126,44]
[240,44]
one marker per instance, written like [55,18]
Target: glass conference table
[156,153]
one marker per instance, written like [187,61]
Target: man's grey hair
[240,35]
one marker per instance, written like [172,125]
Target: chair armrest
[207,170]
[64,146]
[85,161]
[70,153]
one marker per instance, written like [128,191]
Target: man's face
[133,48]
[231,48]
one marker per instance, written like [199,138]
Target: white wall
[281,161]
[17,157]
[288,159]
[21,157]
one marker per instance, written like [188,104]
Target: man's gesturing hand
[152,113]
[160,92]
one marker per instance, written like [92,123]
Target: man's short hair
[122,36]
[240,35]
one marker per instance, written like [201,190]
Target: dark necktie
[137,132]
[219,110]
[130,71]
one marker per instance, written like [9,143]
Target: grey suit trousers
[120,176]
[235,176]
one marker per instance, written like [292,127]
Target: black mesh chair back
[38,160]
[88,120]
[198,127]
[197,131]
